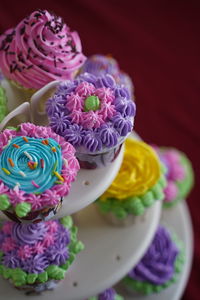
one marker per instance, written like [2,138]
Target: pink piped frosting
[91,119]
[171,191]
[25,252]
[40,49]
[7,227]
[8,244]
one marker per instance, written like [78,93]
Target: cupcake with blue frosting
[36,170]
[35,257]
[95,115]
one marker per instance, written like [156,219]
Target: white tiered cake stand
[110,252]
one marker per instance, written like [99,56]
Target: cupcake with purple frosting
[159,267]
[35,257]
[109,294]
[100,65]
[95,115]
[37,168]
[180,175]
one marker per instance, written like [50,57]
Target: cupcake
[109,294]
[138,185]
[36,170]
[159,267]
[180,176]
[40,49]
[3,102]
[35,257]
[95,115]
[99,65]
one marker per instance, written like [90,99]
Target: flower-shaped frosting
[179,174]
[93,112]
[40,49]
[138,184]
[159,266]
[36,168]
[109,294]
[29,259]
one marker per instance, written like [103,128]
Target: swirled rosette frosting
[40,49]
[99,65]
[180,175]
[93,113]
[139,183]
[34,253]
[159,266]
[36,168]
[109,294]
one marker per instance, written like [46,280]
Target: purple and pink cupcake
[100,65]
[37,167]
[35,257]
[40,49]
[109,294]
[95,115]
[180,175]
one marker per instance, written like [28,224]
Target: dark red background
[158,44]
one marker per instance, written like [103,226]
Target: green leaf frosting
[22,209]
[4,202]
[3,104]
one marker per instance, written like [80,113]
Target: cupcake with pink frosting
[37,167]
[40,49]
[99,65]
[35,257]
[180,176]
[109,294]
[95,115]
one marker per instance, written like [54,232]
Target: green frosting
[52,272]
[22,209]
[3,104]
[4,202]
[184,186]
[149,288]
[91,103]
[134,205]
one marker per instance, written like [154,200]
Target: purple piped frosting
[92,113]
[158,264]
[108,294]
[34,247]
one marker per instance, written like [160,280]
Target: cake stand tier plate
[178,219]
[109,254]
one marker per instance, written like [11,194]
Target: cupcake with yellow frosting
[139,183]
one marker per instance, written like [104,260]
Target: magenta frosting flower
[40,49]
[94,112]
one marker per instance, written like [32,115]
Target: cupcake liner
[184,186]
[26,93]
[44,214]
[3,103]
[141,287]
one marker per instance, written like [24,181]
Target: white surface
[98,267]
[178,219]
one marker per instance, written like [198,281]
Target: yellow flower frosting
[139,172]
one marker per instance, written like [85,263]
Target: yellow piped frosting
[139,172]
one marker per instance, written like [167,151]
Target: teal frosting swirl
[42,174]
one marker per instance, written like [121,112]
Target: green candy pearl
[91,103]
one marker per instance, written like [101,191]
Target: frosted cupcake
[100,65]
[3,101]
[109,294]
[95,115]
[35,257]
[159,267]
[138,185]
[180,176]
[40,49]
[36,170]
